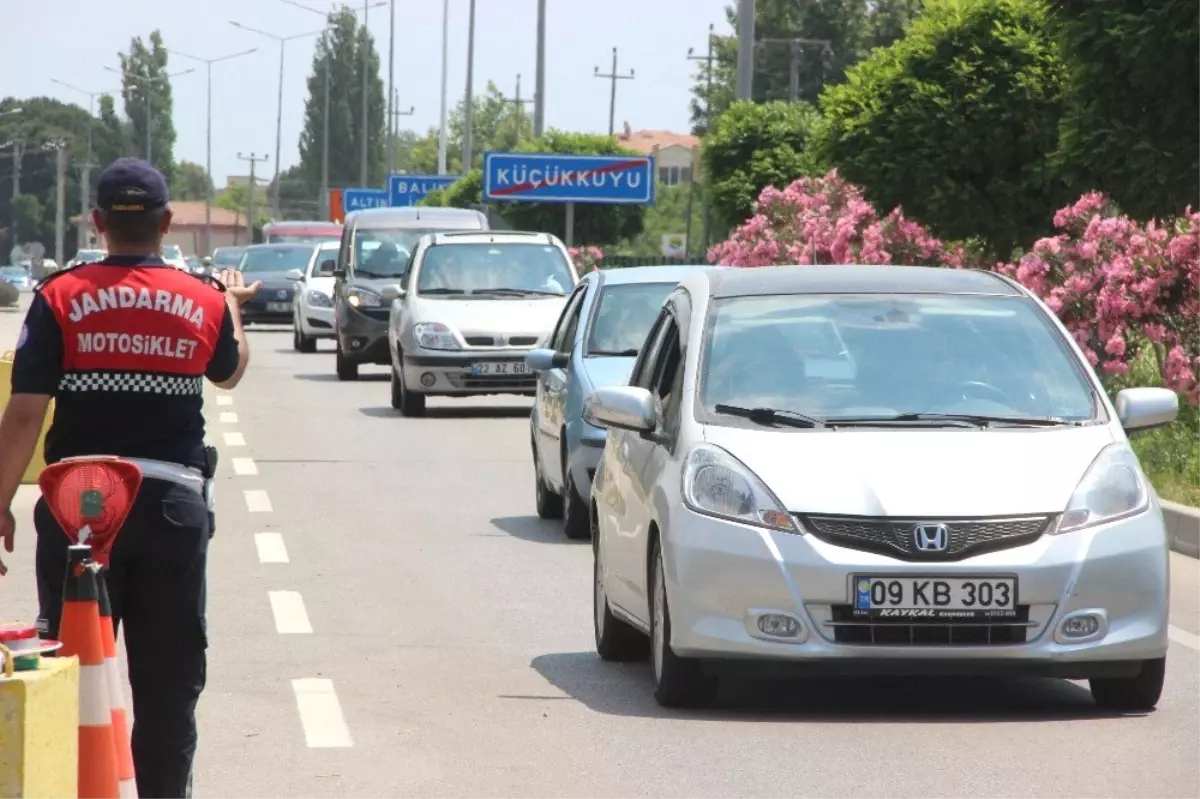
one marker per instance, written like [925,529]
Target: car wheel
[403,400]
[615,639]
[576,524]
[296,337]
[549,504]
[678,682]
[1131,694]
[301,342]
[345,369]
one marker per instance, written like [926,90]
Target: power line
[254,160]
[613,76]
[520,108]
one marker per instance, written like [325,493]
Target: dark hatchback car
[270,263]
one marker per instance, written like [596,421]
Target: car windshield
[855,356]
[89,255]
[275,259]
[228,257]
[385,252]
[484,268]
[624,316]
[171,251]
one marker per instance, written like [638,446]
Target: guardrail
[1183,527]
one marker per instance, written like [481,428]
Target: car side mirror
[392,291]
[327,267]
[622,407]
[339,274]
[1144,409]
[294,274]
[544,359]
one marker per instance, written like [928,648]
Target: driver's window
[645,367]
[406,277]
[567,324]
[669,383]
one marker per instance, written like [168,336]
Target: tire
[403,400]
[549,504]
[576,521]
[345,369]
[616,640]
[678,682]
[1138,694]
[301,342]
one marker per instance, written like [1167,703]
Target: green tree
[148,101]
[594,224]
[850,27]
[498,123]
[1132,101]
[668,217]
[298,198]
[191,182]
[341,47]
[110,137]
[956,122]
[752,146]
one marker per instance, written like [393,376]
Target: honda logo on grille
[931,537]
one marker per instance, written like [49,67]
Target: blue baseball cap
[131,184]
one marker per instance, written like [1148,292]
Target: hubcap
[660,615]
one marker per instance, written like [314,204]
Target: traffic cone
[81,636]
[116,697]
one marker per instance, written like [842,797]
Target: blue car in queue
[594,344]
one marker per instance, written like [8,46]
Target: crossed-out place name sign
[553,178]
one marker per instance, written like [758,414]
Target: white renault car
[312,302]
[890,470]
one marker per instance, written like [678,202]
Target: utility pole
[391,147]
[60,200]
[707,58]
[394,122]
[613,76]
[469,101]
[796,47]
[362,167]
[539,82]
[520,104]
[18,152]
[745,60]
[85,202]
[445,54]
[254,161]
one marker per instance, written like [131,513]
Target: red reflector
[91,498]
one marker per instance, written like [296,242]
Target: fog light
[778,626]
[1080,626]
[356,343]
[428,379]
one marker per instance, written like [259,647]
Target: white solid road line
[224,399]
[1184,637]
[235,440]
[257,501]
[290,616]
[321,714]
[270,548]
[229,417]
[244,466]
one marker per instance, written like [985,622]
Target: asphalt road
[441,635]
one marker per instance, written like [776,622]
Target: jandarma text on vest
[125,297]
[136,344]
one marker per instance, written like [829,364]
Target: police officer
[123,346]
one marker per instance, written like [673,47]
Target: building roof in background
[644,141]
[190,213]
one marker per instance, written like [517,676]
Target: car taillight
[91,498]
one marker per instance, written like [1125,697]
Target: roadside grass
[1169,455]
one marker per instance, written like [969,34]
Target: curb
[1183,527]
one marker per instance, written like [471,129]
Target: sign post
[406,190]
[570,179]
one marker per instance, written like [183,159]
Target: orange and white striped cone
[116,697]
[81,637]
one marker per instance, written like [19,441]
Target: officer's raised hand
[235,286]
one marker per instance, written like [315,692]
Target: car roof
[386,217]
[490,237]
[857,279]
[650,274]
[281,245]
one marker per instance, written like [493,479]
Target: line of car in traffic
[820,469]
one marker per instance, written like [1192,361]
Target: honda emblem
[931,537]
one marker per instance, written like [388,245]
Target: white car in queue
[468,308]
[312,302]
[875,470]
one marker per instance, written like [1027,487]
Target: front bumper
[363,335]
[269,306]
[450,373]
[316,322]
[722,577]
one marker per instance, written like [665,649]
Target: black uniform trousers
[156,583]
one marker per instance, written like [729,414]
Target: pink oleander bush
[586,259]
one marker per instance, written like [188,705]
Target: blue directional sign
[405,190]
[553,178]
[358,199]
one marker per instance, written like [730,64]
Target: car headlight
[1112,488]
[318,299]
[717,484]
[363,298]
[435,336]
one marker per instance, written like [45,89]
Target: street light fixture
[208,190]
[283,40]
[149,105]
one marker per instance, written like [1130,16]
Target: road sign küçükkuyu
[406,190]
[554,178]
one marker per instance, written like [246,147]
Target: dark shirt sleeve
[225,357]
[38,363]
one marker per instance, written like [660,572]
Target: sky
[74,40]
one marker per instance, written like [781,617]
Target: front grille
[522,341]
[847,629]
[480,341]
[896,537]
[489,341]
[493,382]
[382,314]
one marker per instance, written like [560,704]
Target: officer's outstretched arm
[232,354]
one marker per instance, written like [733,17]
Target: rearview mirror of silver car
[622,407]
[1146,408]
[392,291]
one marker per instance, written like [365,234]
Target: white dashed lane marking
[257,501]
[290,616]
[1184,637]
[224,399]
[321,714]
[235,440]
[244,466]
[229,417]
[270,548]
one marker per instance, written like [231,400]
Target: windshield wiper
[771,416]
[953,419]
[615,353]
[369,273]
[518,292]
[442,291]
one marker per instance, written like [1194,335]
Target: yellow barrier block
[39,731]
[39,460]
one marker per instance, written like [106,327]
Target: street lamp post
[208,189]
[147,81]
[85,176]
[445,54]
[283,40]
